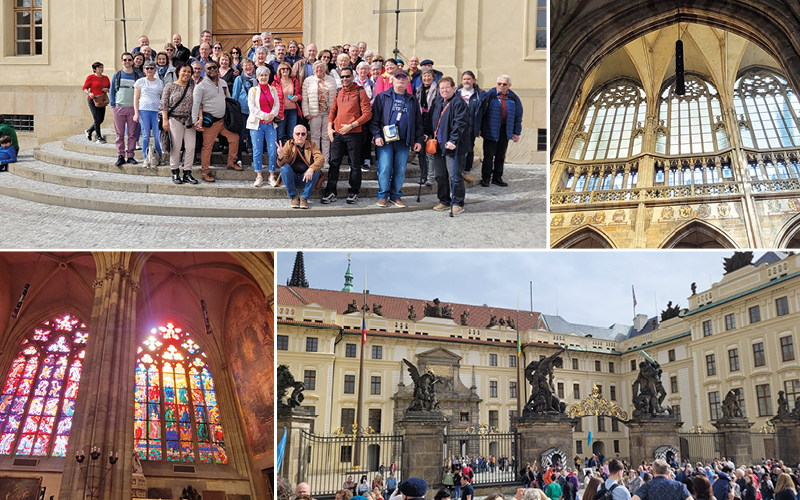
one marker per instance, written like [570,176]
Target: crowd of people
[305,109]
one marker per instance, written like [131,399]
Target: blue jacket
[490,113]
[474,107]
[722,486]
[241,86]
[417,81]
[382,114]
[453,126]
[8,155]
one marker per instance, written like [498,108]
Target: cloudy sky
[590,287]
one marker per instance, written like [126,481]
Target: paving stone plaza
[69,194]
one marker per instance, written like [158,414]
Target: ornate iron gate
[326,461]
[699,447]
[762,446]
[491,454]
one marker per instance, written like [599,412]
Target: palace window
[782,306]
[312,344]
[375,385]
[561,390]
[350,351]
[576,391]
[512,360]
[730,322]
[578,447]
[349,384]
[633,365]
[377,352]
[494,418]
[792,389]
[611,119]
[283,343]
[676,410]
[690,117]
[597,367]
[610,367]
[755,314]
[38,399]
[493,360]
[770,107]
[759,359]
[733,359]
[541,25]
[176,411]
[707,328]
[612,393]
[310,380]
[671,354]
[713,403]
[348,418]
[374,419]
[764,400]
[601,424]
[575,364]
[673,384]
[711,365]
[616,446]
[512,389]
[28,27]
[615,425]
[493,388]
[787,348]
[579,425]
[600,389]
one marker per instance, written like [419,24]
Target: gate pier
[423,442]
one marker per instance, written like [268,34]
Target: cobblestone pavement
[513,217]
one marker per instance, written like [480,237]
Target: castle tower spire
[348,277]
[298,279]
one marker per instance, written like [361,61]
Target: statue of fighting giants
[286,381]
[539,374]
[648,391]
[730,406]
[424,390]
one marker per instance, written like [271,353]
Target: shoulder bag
[432,145]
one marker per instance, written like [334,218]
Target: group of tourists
[305,109]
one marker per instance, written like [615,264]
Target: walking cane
[453,184]
[419,191]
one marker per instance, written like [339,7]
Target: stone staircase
[77,173]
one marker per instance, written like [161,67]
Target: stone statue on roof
[492,321]
[438,310]
[511,324]
[465,317]
[352,307]
[412,314]
[377,309]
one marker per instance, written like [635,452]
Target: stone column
[736,432]
[423,447]
[293,422]
[648,433]
[787,436]
[541,432]
[102,417]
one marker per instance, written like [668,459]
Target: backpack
[233,121]
[358,94]
[605,494]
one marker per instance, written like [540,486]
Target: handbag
[102,100]
[160,117]
[432,145]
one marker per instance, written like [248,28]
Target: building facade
[737,335]
[50,38]
[110,351]
[640,162]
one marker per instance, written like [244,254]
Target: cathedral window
[611,118]
[689,117]
[766,101]
[38,399]
[176,411]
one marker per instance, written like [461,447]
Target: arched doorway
[586,237]
[599,448]
[698,234]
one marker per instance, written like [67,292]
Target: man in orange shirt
[350,111]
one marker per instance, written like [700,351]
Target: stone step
[104,155]
[33,180]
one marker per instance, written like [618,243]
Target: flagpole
[360,403]
[520,385]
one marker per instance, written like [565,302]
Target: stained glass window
[611,118]
[691,117]
[38,399]
[177,415]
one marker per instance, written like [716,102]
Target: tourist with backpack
[661,487]
[613,489]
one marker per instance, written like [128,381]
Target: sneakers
[365,166]
[239,162]
[329,198]
[429,182]
[273,181]
[499,182]
[382,202]
[259,181]
[88,135]
[100,140]
[467,177]
[120,161]
[208,177]
[303,202]
[132,161]
[352,199]
[399,203]
[295,201]
[439,207]
[458,210]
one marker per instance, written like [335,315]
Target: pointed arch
[585,237]
[698,234]
[789,235]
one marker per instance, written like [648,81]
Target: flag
[363,331]
[590,437]
[281,449]
[634,296]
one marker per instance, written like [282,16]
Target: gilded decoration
[577,219]
[794,204]
[723,210]
[599,217]
[685,211]
[704,211]
[557,220]
[667,213]
[355,431]
[483,429]
[619,216]
[596,405]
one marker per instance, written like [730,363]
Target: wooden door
[236,21]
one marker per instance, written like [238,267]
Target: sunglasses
[170,50]
[217,48]
[127,60]
[347,76]
[235,52]
[301,134]
[149,67]
[209,68]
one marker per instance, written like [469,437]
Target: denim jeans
[265,133]
[294,181]
[148,122]
[392,159]
[286,127]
